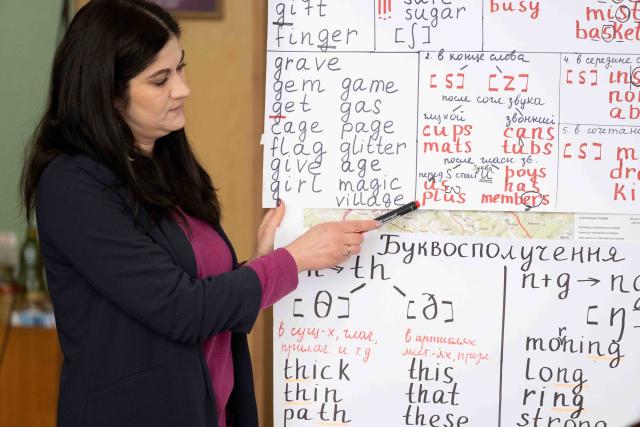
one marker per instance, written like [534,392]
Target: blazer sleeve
[96,233]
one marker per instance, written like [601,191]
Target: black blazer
[130,310]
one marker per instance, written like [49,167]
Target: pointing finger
[360,226]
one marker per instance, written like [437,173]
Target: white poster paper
[490,105]
[451,331]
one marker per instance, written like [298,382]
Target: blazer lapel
[173,239]
[168,234]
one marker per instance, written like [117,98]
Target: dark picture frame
[192,8]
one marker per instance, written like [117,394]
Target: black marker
[402,210]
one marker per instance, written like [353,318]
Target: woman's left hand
[267,230]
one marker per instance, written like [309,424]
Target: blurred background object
[8,262]
[31,270]
[32,306]
[30,357]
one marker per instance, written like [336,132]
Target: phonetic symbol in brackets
[323,305]
[618,314]
[592,280]
[430,308]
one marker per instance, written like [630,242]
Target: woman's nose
[180,88]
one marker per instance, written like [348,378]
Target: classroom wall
[28,32]
[28,37]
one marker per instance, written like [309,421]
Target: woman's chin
[179,124]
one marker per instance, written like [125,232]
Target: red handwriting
[472,357]
[625,192]
[522,7]
[301,333]
[624,77]
[304,348]
[410,336]
[449,81]
[509,83]
[542,133]
[615,23]
[530,147]
[450,135]
[623,112]
[526,198]
[442,192]
[531,174]
[454,131]
[360,335]
[585,151]
[364,353]
[583,77]
[356,343]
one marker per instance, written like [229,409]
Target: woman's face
[156,97]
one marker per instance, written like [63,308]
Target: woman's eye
[164,80]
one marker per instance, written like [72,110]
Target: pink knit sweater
[278,276]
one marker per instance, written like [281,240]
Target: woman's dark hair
[107,44]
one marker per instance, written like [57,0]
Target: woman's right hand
[329,244]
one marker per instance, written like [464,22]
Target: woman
[151,305]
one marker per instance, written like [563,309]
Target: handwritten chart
[446,331]
[461,105]
[493,115]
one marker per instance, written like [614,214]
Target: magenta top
[278,276]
